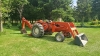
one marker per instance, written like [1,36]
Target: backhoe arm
[25,22]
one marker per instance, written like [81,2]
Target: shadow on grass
[71,43]
[45,37]
[15,33]
[49,38]
[15,28]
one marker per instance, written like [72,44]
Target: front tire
[59,37]
[37,30]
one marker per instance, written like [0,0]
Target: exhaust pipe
[81,40]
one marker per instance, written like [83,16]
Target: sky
[75,2]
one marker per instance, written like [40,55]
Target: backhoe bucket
[23,31]
[81,39]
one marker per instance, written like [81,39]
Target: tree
[42,9]
[84,10]
[1,25]
[6,9]
[34,10]
[19,5]
[47,9]
[62,9]
[96,9]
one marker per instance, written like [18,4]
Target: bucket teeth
[81,39]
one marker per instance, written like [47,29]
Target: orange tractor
[64,29]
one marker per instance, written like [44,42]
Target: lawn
[12,43]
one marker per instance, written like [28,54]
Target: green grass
[12,43]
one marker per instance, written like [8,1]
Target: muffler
[81,40]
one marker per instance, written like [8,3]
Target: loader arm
[79,39]
[72,29]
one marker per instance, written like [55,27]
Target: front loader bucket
[81,39]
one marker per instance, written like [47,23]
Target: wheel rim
[58,38]
[36,31]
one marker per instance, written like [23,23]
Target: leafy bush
[96,22]
[19,26]
[69,19]
[8,25]
[92,23]
[99,22]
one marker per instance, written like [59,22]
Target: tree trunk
[4,21]
[32,21]
[20,10]
[1,25]
[12,21]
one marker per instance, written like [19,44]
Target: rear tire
[59,37]
[37,30]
